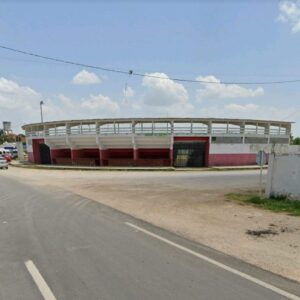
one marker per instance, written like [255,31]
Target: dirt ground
[191,204]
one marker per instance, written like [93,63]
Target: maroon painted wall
[237,159]
[154,153]
[58,154]
[36,156]
[121,153]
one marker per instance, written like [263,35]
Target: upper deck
[213,127]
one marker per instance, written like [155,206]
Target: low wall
[233,154]
[235,159]
[241,154]
[284,175]
[294,149]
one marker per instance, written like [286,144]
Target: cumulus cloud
[250,107]
[13,95]
[20,104]
[86,78]
[219,90]
[164,96]
[289,12]
[99,102]
[163,91]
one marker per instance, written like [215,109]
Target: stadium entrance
[189,154]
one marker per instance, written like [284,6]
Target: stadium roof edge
[160,119]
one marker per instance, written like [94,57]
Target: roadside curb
[75,168]
[135,169]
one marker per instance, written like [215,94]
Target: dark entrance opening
[189,154]
[45,154]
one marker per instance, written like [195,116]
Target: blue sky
[213,40]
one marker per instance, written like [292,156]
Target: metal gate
[45,154]
[189,154]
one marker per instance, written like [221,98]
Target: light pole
[41,108]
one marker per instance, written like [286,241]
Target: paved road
[85,250]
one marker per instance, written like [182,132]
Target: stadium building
[179,142]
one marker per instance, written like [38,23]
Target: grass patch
[278,204]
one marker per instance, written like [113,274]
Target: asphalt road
[85,250]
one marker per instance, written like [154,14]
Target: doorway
[45,154]
[189,154]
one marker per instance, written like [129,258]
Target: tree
[296,141]
[2,137]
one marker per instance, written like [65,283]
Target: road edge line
[218,264]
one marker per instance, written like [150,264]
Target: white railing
[158,131]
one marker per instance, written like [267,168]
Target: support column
[242,131]
[104,156]
[135,154]
[171,151]
[209,131]
[171,156]
[267,131]
[75,154]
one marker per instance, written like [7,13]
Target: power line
[145,75]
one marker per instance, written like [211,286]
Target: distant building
[179,142]
[7,127]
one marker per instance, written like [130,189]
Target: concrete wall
[294,149]
[284,175]
[247,148]
[240,154]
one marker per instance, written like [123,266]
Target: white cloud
[249,111]
[290,13]
[165,97]
[20,105]
[86,78]
[13,95]
[163,91]
[219,90]
[99,103]
[242,108]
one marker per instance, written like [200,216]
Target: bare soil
[191,204]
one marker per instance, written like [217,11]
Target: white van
[4,151]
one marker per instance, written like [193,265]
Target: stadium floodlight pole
[41,109]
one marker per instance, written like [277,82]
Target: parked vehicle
[6,154]
[14,153]
[3,163]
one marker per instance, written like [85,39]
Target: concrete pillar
[209,127]
[242,128]
[172,127]
[75,154]
[171,151]
[104,156]
[242,131]
[20,151]
[135,154]
[171,156]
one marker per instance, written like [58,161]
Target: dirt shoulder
[192,205]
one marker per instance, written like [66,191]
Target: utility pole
[41,109]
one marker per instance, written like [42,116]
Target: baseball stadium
[178,142]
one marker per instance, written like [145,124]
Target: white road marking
[39,280]
[218,264]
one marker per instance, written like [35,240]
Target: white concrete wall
[284,175]
[294,149]
[246,148]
